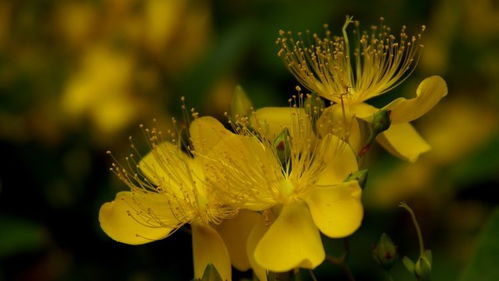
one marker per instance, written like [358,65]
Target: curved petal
[156,163]
[336,210]
[340,121]
[261,226]
[403,141]
[363,110]
[209,248]
[292,241]
[235,234]
[242,168]
[270,121]
[429,92]
[206,132]
[339,158]
[135,219]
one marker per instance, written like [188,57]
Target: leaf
[483,264]
[408,263]
[18,236]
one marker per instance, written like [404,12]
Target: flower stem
[416,225]
[312,275]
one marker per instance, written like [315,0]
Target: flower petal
[209,248]
[292,241]
[403,141]
[341,122]
[336,210]
[235,234]
[363,110]
[153,165]
[261,226]
[340,160]
[270,121]
[206,132]
[245,167]
[429,92]
[134,218]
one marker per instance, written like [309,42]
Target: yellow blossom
[299,193]
[380,61]
[168,190]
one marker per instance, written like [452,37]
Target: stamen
[380,61]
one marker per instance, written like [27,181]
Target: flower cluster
[260,194]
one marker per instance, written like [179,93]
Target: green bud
[381,121]
[359,176]
[282,145]
[241,105]
[385,252]
[422,268]
[409,264]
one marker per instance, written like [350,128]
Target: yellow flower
[301,191]
[168,190]
[380,63]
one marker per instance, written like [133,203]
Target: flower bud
[360,177]
[241,105]
[282,144]
[381,121]
[385,252]
[422,268]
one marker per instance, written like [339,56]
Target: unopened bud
[422,268]
[381,121]
[385,252]
[282,145]
[359,176]
[241,105]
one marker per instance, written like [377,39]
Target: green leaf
[483,265]
[18,236]
[408,263]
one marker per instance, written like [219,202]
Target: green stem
[416,225]
[312,275]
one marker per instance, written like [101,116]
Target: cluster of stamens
[170,177]
[324,65]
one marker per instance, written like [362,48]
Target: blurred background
[78,77]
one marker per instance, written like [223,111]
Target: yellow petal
[134,218]
[428,94]
[336,210]
[292,241]
[340,121]
[403,141]
[206,132]
[244,167]
[177,174]
[261,226]
[270,121]
[363,110]
[156,163]
[340,159]
[209,248]
[235,234]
